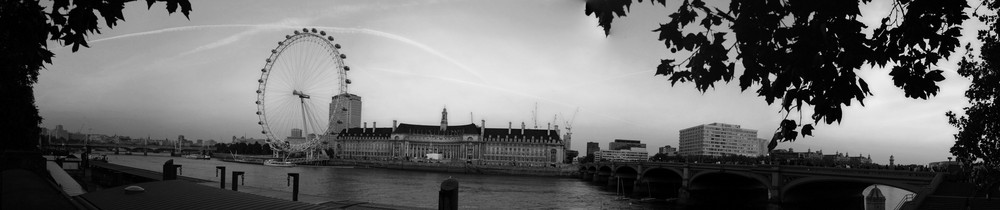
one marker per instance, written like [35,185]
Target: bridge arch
[605,168]
[675,171]
[661,182]
[834,192]
[626,168]
[804,181]
[719,189]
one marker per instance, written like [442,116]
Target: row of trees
[804,54]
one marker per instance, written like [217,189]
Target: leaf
[864,86]
[807,130]
[935,75]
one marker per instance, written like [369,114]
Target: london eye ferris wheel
[298,81]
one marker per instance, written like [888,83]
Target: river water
[406,188]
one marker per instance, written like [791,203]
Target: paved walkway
[313,199]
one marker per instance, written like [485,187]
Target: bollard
[169,171]
[295,187]
[222,180]
[448,196]
[239,174]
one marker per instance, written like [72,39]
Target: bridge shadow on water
[726,191]
[712,186]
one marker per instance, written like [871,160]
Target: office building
[345,112]
[624,144]
[668,150]
[718,139]
[593,147]
[634,154]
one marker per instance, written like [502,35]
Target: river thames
[406,188]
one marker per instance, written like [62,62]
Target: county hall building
[471,143]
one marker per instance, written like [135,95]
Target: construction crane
[569,128]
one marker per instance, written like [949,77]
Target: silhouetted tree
[27,29]
[802,53]
[977,144]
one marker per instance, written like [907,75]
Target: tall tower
[345,112]
[875,200]
[444,119]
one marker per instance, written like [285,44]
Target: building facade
[593,147]
[345,112]
[668,150]
[473,144]
[635,154]
[719,139]
[624,144]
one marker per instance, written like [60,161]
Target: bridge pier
[600,179]
[586,176]
[683,196]
[612,183]
[641,189]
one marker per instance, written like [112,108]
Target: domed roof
[876,193]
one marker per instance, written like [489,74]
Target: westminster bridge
[129,147]
[724,186]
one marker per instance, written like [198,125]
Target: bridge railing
[786,168]
[879,172]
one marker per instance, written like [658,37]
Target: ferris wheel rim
[276,142]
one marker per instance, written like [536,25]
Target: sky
[163,75]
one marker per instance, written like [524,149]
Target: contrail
[331,29]
[359,31]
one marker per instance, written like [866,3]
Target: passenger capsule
[258,112]
[263,70]
[260,122]
[314,30]
[268,60]
[258,102]
[258,91]
[340,122]
[347,68]
[305,30]
[274,51]
[330,38]
[281,43]
[343,56]
[348,81]
[260,81]
[296,32]
[336,45]
[288,36]
[322,33]
[344,108]
[263,132]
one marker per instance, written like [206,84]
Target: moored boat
[198,156]
[273,162]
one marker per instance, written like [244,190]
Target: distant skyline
[165,76]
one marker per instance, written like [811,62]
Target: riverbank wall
[558,171]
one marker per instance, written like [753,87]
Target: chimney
[373,127]
[548,129]
[365,127]
[510,126]
[393,125]
[522,128]
[482,128]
